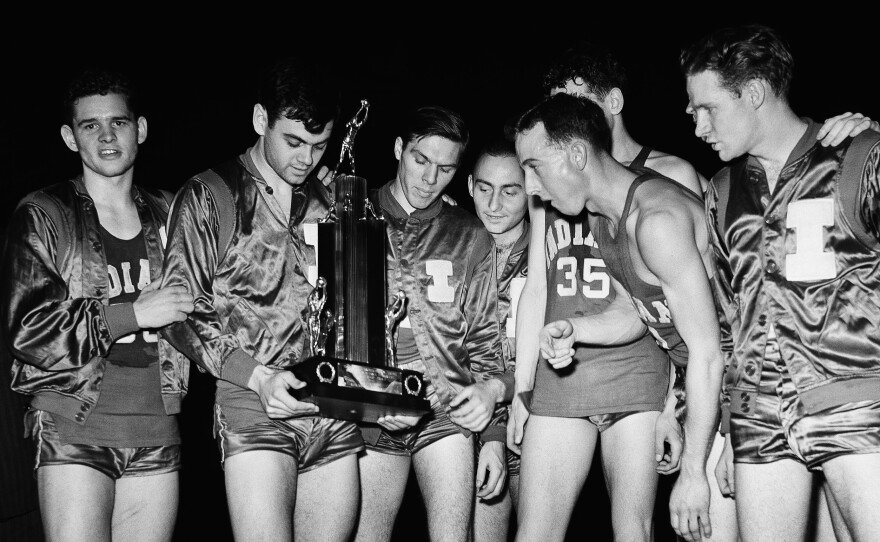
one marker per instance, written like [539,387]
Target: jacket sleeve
[191,260]
[484,335]
[725,303]
[869,193]
[43,325]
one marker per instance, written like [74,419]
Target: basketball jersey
[601,379]
[649,299]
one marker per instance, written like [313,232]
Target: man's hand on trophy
[273,388]
[325,176]
[473,407]
[398,423]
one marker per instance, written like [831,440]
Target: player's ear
[261,120]
[755,91]
[398,148]
[69,140]
[142,129]
[578,150]
[614,101]
[471,185]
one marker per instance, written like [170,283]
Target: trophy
[350,369]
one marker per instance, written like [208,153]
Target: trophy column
[351,371]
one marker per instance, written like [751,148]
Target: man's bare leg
[773,500]
[854,481]
[327,500]
[76,503]
[383,483]
[722,510]
[828,522]
[145,507]
[261,492]
[631,475]
[555,461]
[445,471]
[492,519]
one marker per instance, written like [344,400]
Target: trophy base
[350,390]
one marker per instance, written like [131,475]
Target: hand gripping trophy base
[352,390]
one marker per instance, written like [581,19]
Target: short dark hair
[99,82]
[565,118]
[434,120]
[297,90]
[739,54]
[500,147]
[599,68]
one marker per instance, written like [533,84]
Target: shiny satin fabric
[433,427]
[54,310]
[113,462]
[442,258]
[312,441]
[826,312]
[516,268]
[776,425]
[248,296]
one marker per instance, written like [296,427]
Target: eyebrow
[90,120]
[420,153]
[503,186]
[303,141]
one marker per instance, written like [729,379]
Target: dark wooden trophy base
[350,390]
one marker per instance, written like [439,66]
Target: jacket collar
[79,186]
[804,144]
[523,240]
[387,201]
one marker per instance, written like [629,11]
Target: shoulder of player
[466,228]
[661,207]
[677,169]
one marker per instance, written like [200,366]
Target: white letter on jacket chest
[810,262]
[440,291]
[310,236]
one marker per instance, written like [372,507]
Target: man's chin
[295,180]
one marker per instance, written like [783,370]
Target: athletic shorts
[115,463]
[601,421]
[433,426]
[313,441]
[777,426]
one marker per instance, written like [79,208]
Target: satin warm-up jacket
[806,261]
[249,294]
[442,258]
[55,313]
[510,286]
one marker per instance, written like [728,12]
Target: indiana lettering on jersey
[653,312]
[587,272]
[121,282]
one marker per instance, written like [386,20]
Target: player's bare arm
[529,317]
[669,226]
[618,323]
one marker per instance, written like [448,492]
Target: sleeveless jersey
[649,300]
[602,379]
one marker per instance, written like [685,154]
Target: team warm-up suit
[799,280]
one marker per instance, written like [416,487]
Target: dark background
[198,76]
